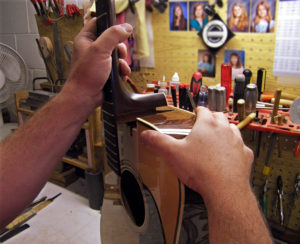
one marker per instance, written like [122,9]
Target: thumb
[159,143]
[111,37]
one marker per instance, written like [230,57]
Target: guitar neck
[119,104]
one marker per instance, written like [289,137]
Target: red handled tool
[195,86]
[226,78]
[34,3]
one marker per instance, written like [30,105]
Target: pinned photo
[198,17]
[206,63]
[263,15]
[178,16]
[238,15]
[237,60]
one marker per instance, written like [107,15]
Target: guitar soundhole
[132,198]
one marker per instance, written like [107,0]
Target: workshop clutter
[47,10]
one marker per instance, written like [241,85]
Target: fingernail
[127,27]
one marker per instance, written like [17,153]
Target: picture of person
[263,21]
[238,20]
[237,60]
[178,13]
[206,63]
[198,18]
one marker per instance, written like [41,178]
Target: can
[220,99]
[250,98]
[212,98]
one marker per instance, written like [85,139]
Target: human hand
[91,61]
[213,159]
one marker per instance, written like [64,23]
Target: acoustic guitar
[160,209]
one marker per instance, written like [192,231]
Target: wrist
[82,100]
[73,96]
[227,198]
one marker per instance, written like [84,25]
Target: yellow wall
[178,52]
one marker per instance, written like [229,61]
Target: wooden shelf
[93,135]
[75,162]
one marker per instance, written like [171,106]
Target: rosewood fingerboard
[119,104]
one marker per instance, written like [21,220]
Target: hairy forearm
[28,157]
[236,218]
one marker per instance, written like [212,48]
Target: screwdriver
[173,92]
[280,196]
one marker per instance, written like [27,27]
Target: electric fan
[13,78]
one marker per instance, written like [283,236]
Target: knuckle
[249,155]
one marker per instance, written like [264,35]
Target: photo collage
[245,16]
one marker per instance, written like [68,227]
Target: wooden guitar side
[166,189]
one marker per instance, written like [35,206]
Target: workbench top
[68,219]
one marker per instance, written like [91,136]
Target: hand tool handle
[279,183]
[226,78]
[241,109]
[181,96]
[45,61]
[34,3]
[248,76]
[265,204]
[173,92]
[191,100]
[266,170]
[246,121]
[276,105]
[288,96]
[283,102]
[261,81]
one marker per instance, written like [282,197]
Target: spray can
[226,78]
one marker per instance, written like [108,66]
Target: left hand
[91,61]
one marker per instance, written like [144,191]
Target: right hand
[213,159]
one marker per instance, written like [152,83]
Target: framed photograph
[198,18]
[237,60]
[263,16]
[178,16]
[238,15]
[206,63]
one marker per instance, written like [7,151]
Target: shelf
[76,162]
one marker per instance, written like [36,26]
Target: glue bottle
[175,81]
[163,86]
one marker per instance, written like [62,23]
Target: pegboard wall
[283,163]
[177,51]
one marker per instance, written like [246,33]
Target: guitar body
[153,199]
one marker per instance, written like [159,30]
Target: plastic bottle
[163,86]
[175,81]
